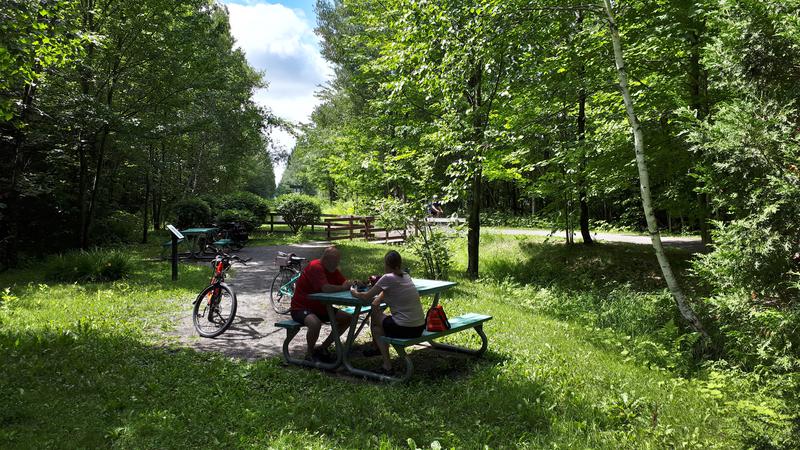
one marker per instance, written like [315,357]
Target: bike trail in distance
[252,334]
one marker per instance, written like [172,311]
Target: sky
[278,39]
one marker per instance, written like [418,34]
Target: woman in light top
[397,290]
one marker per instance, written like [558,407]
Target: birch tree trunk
[644,181]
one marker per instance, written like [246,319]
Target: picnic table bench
[355,308]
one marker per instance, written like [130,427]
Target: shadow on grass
[578,267]
[91,388]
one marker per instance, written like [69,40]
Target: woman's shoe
[388,372]
[370,352]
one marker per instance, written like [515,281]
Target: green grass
[84,366]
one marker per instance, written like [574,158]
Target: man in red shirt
[321,275]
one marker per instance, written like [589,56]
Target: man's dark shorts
[299,315]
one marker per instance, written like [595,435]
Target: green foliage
[432,247]
[755,335]
[507,219]
[118,227]
[751,256]
[247,201]
[89,266]
[393,214]
[131,107]
[298,210]
[244,217]
[192,212]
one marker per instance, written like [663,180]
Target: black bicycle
[215,307]
[282,289]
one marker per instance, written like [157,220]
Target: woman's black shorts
[392,329]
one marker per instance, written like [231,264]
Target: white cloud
[281,42]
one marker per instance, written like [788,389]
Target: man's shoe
[323,355]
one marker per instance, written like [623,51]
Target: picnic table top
[424,287]
[198,231]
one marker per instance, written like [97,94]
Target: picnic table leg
[453,348]
[292,332]
[366,321]
[367,373]
[401,352]
[340,352]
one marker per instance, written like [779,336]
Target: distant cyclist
[435,207]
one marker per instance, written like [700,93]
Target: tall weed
[89,266]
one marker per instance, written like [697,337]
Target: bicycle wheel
[281,299]
[214,310]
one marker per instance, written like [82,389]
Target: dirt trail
[253,334]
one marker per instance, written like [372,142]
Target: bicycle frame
[286,289]
[216,279]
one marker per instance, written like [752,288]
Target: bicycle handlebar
[234,258]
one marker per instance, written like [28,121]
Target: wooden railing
[339,227]
[274,218]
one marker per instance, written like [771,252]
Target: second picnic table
[355,307]
[199,238]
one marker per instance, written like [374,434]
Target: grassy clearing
[83,368]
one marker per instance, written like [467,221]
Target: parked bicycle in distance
[282,288]
[215,307]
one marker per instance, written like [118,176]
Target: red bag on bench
[436,319]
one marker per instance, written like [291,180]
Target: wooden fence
[339,227]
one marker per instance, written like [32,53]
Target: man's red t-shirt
[312,279]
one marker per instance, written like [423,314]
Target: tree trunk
[83,179]
[584,203]
[474,219]
[644,180]
[698,85]
[145,205]
[474,226]
[101,150]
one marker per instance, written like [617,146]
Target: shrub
[118,227]
[241,216]
[507,219]
[214,202]
[394,214]
[192,212]
[247,201]
[749,256]
[92,266]
[298,210]
[432,247]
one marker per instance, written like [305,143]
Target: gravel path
[253,334]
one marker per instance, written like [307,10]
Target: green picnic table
[355,306]
[199,238]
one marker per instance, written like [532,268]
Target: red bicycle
[215,307]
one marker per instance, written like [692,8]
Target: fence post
[351,227]
[271,222]
[328,229]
